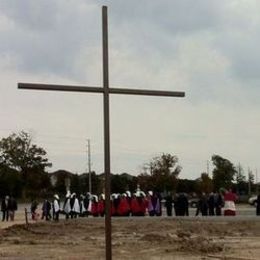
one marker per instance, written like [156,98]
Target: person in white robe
[75,208]
[66,205]
[56,207]
[82,206]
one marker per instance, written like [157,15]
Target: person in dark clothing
[72,201]
[168,205]
[158,207]
[211,204]
[5,208]
[202,205]
[258,205]
[86,203]
[218,203]
[176,204]
[183,205]
[34,207]
[46,210]
[186,205]
[12,207]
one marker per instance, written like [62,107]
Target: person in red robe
[134,206]
[101,205]
[123,207]
[138,204]
[94,206]
[229,206]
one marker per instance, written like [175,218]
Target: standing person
[183,205]
[116,201]
[158,204]
[258,205]
[12,208]
[34,206]
[218,203]
[176,204]
[94,206]
[186,205]
[202,206]
[46,210]
[129,199]
[75,209]
[72,200]
[123,207]
[150,204]
[154,204]
[66,206]
[56,207]
[87,204]
[168,205]
[5,208]
[230,207]
[101,205]
[82,206]
[211,203]
[138,205]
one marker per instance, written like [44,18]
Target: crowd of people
[127,204]
[140,204]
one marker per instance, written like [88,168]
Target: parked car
[252,200]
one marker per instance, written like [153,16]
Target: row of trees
[23,173]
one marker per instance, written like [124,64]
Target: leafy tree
[10,182]
[164,171]
[132,184]
[119,183]
[75,184]
[204,183]
[185,185]
[223,173]
[17,152]
[97,183]
[241,180]
[145,182]
[251,177]
[240,175]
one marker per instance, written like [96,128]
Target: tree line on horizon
[23,174]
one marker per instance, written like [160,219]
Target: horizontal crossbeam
[124,91]
[54,87]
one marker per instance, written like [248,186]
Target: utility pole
[208,167]
[238,172]
[89,168]
[249,181]
[256,180]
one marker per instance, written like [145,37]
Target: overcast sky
[209,49]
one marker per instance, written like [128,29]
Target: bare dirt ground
[133,238]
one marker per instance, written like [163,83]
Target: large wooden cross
[105,90]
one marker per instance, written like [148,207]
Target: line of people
[214,203]
[121,205]
[126,204]
[137,204]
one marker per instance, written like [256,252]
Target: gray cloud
[48,36]
[206,48]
